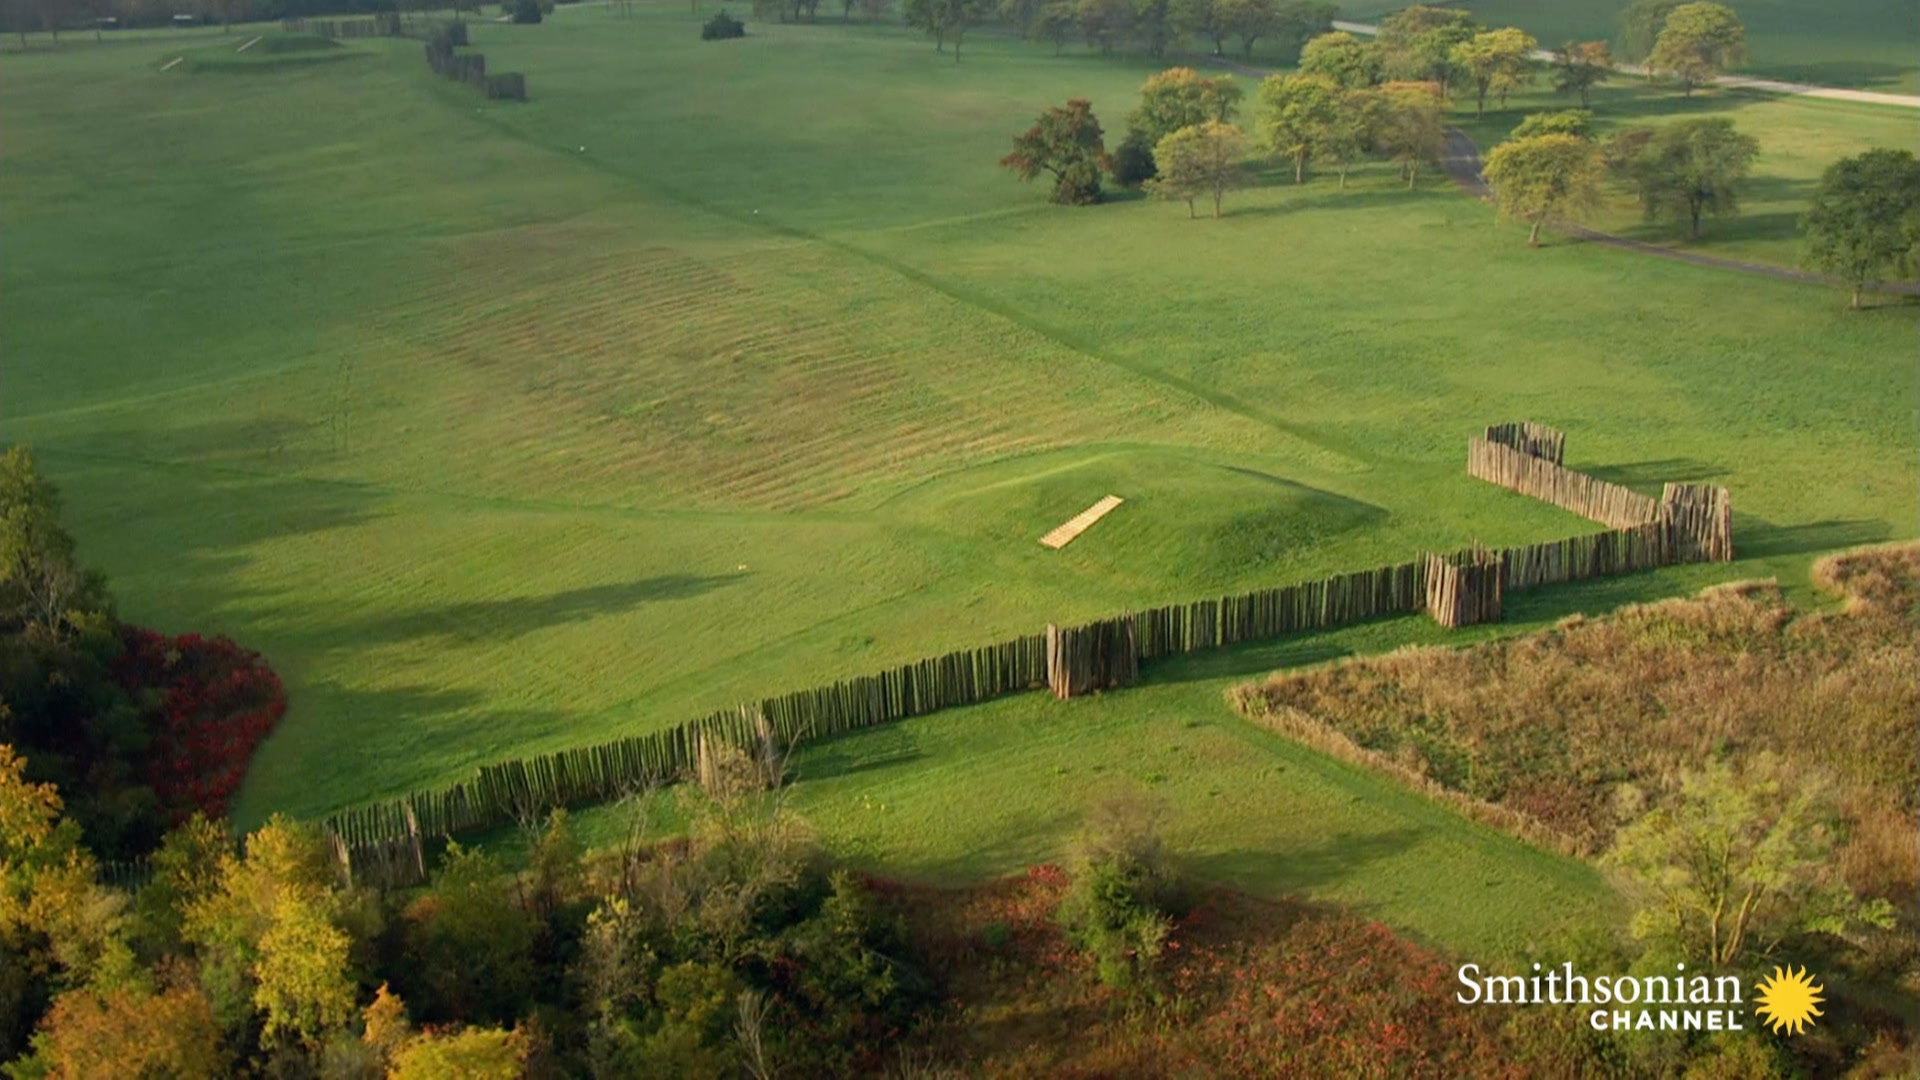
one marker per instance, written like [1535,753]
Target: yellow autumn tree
[128,1034]
[470,1054]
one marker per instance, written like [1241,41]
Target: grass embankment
[494,444]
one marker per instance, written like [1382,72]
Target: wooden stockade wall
[1268,613]
[1609,504]
[1700,520]
[385,24]
[1531,439]
[380,841]
[1097,656]
[1464,588]
[1578,558]
[522,789]
[470,68]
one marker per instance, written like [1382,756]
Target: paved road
[1737,82]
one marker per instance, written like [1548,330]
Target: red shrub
[214,702]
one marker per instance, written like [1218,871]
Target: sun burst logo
[1786,999]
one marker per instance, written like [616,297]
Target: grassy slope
[493,444]
[1864,44]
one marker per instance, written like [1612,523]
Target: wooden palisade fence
[384,24]
[1464,588]
[1689,523]
[1609,504]
[470,68]
[1531,439]
[1096,656]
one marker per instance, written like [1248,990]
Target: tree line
[1386,99]
[1183,143]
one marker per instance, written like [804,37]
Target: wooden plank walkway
[1080,522]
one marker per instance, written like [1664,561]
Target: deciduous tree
[1411,129]
[1203,19]
[129,1034]
[1342,58]
[943,20]
[1181,97]
[1697,42]
[1566,122]
[1736,863]
[302,984]
[1350,132]
[1064,143]
[1057,23]
[1496,60]
[1544,179]
[469,1054]
[1864,223]
[1690,168]
[472,945]
[1104,23]
[227,925]
[1417,43]
[1250,20]
[43,589]
[1202,160]
[1294,111]
[1640,26]
[1579,66]
[1153,26]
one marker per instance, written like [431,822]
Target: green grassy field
[1862,44]
[718,370]
[989,790]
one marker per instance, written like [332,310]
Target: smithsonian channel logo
[1787,1001]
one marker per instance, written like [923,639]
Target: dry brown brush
[1540,734]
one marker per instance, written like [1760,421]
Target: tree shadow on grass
[1332,860]
[494,620]
[1756,537]
[1247,659]
[383,743]
[1648,477]
[1359,197]
[883,747]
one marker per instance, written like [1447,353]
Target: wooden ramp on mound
[1080,522]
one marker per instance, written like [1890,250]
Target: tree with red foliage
[213,702]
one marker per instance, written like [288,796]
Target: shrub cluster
[211,702]
[721,27]
[1117,909]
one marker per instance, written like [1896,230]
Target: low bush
[527,12]
[1117,909]
[721,27]
[1133,163]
